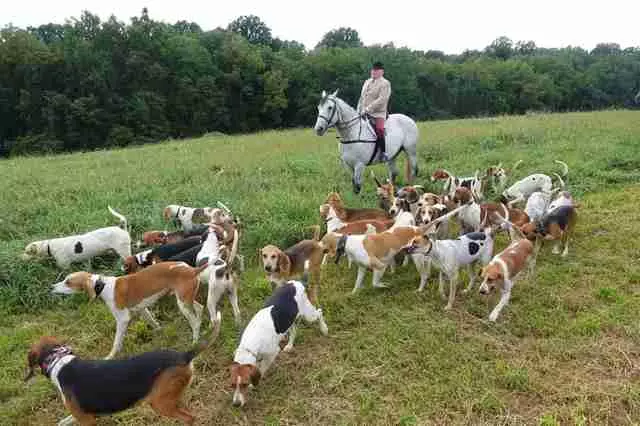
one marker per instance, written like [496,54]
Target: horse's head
[328,114]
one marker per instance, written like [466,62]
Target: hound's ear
[89,288]
[284,264]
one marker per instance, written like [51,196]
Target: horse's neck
[349,128]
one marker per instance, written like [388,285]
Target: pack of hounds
[408,223]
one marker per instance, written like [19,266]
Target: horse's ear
[324,94]
[336,92]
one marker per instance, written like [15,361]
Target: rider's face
[376,73]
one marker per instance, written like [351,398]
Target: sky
[450,26]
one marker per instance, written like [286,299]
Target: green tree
[344,37]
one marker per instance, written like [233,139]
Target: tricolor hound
[91,388]
[260,342]
[451,255]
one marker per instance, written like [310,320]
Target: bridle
[344,125]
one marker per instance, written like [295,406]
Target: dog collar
[54,358]
[99,286]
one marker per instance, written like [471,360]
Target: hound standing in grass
[83,247]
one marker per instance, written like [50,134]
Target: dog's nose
[236,403]
[267,268]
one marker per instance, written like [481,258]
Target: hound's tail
[123,220]
[234,248]
[194,352]
[565,168]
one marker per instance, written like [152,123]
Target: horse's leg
[412,159]
[357,177]
[393,170]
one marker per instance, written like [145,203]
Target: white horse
[358,138]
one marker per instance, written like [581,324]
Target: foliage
[88,84]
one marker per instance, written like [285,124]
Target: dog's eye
[273,256]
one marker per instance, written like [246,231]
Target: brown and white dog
[370,251]
[284,265]
[135,293]
[451,182]
[502,271]
[475,217]
[352,214]
[91,388]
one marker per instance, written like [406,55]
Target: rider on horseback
[373,103]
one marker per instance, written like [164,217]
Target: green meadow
[566,350]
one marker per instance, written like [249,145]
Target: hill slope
[564,349]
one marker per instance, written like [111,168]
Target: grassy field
[566,350]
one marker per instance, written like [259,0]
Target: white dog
[83,247]
[522,189]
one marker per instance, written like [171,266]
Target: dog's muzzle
[62,288]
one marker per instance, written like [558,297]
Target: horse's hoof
[356,188]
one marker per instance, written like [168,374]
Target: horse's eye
[330,108]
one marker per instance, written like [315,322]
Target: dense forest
[87,84]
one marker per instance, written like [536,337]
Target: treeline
[88,84]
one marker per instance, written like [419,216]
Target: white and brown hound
[522,189]
[502,271]
[135,293]
[83,247]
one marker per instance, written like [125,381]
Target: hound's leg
[360,278]
[453,281]
[148,316]
[233,299]
[190,312]
[291,337]
[472,279]
[504,299]
[122,323]
[377,276]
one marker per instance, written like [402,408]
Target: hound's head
[154,238]
[386,195]
[275,260]
[170,212]
[420,244]
[439,174]
[428,199]
[530,230]
[219,216]
[462,195]
[329,243]
[35,249]
[411,193]
[243,375]
[399,205]
[78,282]
[38,354]
[427,213]
[493,276]
[325,211]
[328,113]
